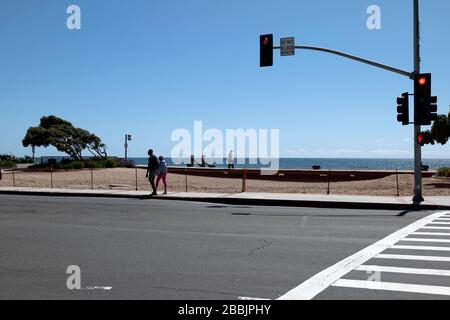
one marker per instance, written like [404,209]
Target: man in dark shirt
[152,170]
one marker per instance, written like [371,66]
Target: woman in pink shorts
[162,173]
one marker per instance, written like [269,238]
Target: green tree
[64,137]
[441,129]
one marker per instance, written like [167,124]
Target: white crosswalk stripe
[390,286]
[411,257]
[426,240]
[437,228]
[430,234]
[431,272]
[430,248]
[334,275]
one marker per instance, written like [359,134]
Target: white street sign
[287,46]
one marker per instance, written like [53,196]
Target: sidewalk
[263,199]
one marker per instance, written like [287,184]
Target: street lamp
[127,138]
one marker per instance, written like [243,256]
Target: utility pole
[418,197]
[127,138]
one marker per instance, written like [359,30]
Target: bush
[7,164]
[65,161]
[25,160]
[110,163]
[67,166]
[93,164]
[443,172]
[78,165]
[7,157]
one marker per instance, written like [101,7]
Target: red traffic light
[266,41]
[422,81]
[420,139]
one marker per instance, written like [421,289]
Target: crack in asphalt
[265,245]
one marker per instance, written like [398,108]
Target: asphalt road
[154,249]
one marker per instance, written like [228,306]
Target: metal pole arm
[352,57]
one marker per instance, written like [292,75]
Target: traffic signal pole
[410,75]
[418,197]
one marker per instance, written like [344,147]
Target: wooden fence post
[329,178]
[398,189]
[244,180]
[136,178]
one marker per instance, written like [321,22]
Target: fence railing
[230,181]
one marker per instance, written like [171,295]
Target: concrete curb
[242,201]
[312,203]
[73,194]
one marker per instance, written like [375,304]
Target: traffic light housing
[403,109]
[425,106]
[266,50]
[424,138]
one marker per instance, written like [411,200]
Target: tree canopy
[441,129]
[64,137]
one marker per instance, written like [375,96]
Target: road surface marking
[439,223]
[431,272]
[392,286]
[249,299]
[437,228]
[426,240]
[443,219]
[318,283]
[430,234]
[420,248]
[409,257]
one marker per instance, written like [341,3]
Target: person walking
[230,160]
[152,170]
[162,173]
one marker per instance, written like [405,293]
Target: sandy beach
[125,179]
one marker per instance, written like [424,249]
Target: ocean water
[307,163]
[325,163]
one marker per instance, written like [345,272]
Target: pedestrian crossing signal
[424,138]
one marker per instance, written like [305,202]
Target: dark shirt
[153,163]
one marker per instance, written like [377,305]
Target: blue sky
[150,67]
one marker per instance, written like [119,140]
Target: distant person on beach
[152,170]
[162,173]
[230,160]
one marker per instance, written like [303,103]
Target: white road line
[439,223]
[426,240]
[430,233]
[392,286]
[251,299]
[437,228]
[316,284]
[430,272]
[420,248]
[443,219]
[410,257]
